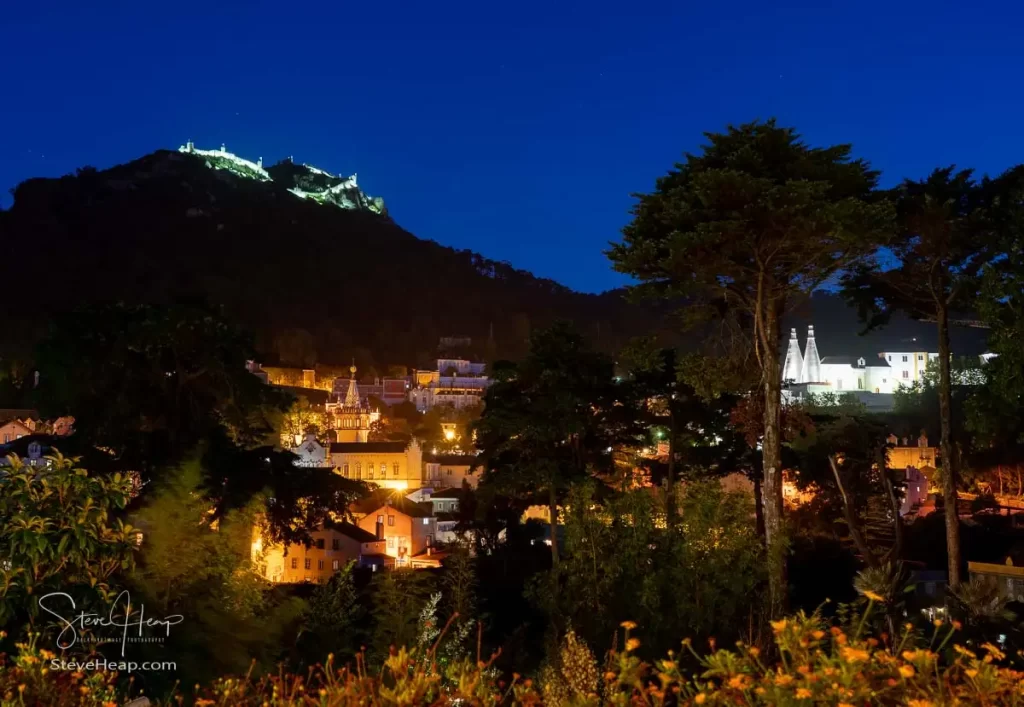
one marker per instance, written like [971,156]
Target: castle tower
[792,369]
[811,369]
[351,419]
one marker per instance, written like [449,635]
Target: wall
[410,467]
[441,475]
[277,566]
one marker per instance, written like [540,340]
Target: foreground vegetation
[807,663]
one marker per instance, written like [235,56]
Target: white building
[457,383]
[908,367]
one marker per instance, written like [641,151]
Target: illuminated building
[408,529]
[457,383]
[389,465]
[331,549]
[350,417]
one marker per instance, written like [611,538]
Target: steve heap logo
[132,626]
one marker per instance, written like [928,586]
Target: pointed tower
[811,370]
[352,396]
[792,369]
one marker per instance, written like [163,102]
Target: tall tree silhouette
[946,236]
[754,220]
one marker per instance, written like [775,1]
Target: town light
[449,435]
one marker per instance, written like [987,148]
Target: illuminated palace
[349,417]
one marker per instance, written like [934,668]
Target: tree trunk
[670,486]
[758,508]
[771,454]
[949,462]
[553,510]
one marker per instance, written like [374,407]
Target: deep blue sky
[518,130]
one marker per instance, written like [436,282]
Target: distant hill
[314,268]
[305,260]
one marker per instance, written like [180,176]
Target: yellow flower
[802,693]
[845,704]
[779,626]
[628,625]
[993,651]
[818,635]
[754,651]
[971,672]
[632,644]
[854,654]
[700,698]
[957,625]
[937,622]
[783,679]
[907,671]
[873,596]
[920,703]
[909,655]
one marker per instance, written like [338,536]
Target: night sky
[517,130]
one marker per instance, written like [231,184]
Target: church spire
[352,396]
[792,369]
[811,370]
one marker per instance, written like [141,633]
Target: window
[295,563]
[394,467]
[391,520]
[430,540]
[391,542]
[306,563]
[319,564]
[904,359]
[426,521]
[889,357]
[336,565]
[906,374]
[320,544]
[380,520]
[839,384]
[346,470]
[359,470]
[369,470]
[335,544]
[449,472]
[860,384]
[920,357]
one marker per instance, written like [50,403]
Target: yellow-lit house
[389,465]
[408,529]
[332,547]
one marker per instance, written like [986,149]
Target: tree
[541,428]
[59,531]
[200,566]
[149,383]
[747,228]
[329,624]
[946,238]
[398,599]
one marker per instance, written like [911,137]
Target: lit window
[391,520]
[369,470]
[319,564]
[359,470]
[391,542]
[346,470]
[380,520]
[295,563]
[426,521]
[395,468]
[336,565]
[306,563]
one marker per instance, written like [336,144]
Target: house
[13,429]
[449,470]
[31,449]
[408,529]
[311,453]
[908,367]
[446,500]
[331,549]
[390,465]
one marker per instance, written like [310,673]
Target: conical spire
[352,396]
[792,369]
[811,370]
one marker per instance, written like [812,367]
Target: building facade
[389,465]
[449,471]
[457,383]
[331,549]
[408,529]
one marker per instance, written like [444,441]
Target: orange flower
[907,671]
[700,699]
[802,693]
[854,655]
